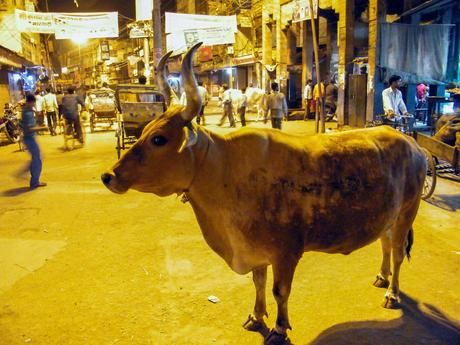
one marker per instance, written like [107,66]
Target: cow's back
[332,193]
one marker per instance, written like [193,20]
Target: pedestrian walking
[243,103]
[277,106]
[50,107]
[308,98]
[39,108]
[30,128]
[71,114]
[227,106]
[204,102]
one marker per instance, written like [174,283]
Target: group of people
[275,106]
[35,107]
[313,99]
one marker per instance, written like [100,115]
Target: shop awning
[11,59]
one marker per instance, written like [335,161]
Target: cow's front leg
[283,273]
[255,322]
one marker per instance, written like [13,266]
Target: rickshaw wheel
[430,179]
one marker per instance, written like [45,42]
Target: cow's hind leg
[401,244]
[255,322]
[283,273]
[382,278]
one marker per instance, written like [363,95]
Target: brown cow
[285,196]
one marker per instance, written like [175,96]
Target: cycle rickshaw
[138,105]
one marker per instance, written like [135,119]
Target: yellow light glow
[79,40]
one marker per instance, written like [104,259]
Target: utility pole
[157,32]
[320,104]
[147,60]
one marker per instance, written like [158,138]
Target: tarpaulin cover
[415,49]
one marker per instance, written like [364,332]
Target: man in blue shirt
[29,127]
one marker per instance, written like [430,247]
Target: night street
[81,265]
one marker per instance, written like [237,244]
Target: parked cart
[138,105]
[102,107]
[437,151]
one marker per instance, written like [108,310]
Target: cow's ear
[190,137]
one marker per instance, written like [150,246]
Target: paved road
[79,265]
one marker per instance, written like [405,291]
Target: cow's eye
[159,140]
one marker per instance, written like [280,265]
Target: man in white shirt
[227,105]
[308,98]
[393,104]
[50,108]
[204,101]
[39,109]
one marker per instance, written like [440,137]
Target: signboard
[69,25]
[244,60]
[105,51]
[142,29]
[180,41]
[35,22]
[179,22]
[144,9]
[301,10]
[184,30]
[88,25]
[205,54]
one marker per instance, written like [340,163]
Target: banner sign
[301,10]
[69,25]
[144,9]
[88,25]
[37,22]
[141,29]
[184,30]
[179,22]
[180,41]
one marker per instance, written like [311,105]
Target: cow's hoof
[274,338]
[381,282]
[254,325]
[391,301]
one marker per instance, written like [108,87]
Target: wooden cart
[435,151]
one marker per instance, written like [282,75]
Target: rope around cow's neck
[184,196]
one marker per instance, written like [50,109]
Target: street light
[79,40]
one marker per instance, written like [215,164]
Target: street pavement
[80,265]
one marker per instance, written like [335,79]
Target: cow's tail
[410,242]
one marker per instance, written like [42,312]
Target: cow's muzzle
[112,183]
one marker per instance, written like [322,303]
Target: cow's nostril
[106,178]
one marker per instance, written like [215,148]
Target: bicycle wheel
[430,179]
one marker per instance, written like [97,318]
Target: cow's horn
[191,88]
[162,80]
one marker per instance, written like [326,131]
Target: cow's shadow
[415,327]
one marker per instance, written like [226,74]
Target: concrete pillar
[376,12]
[346,55]
[307,52]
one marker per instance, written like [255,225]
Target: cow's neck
[209,161]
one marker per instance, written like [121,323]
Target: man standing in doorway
[204,101]
[71,114]
[308,98]
[277,106]
[50,107]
